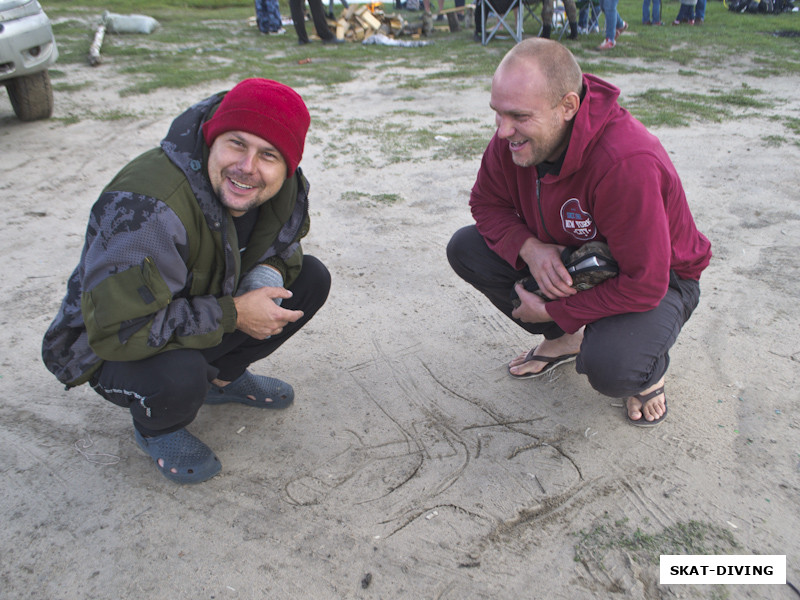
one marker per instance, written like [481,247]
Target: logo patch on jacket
[576,221]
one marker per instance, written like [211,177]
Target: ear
[570,104]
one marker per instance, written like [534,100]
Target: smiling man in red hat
[192,270]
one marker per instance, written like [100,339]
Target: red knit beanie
[272,111]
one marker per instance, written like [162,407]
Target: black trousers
[165,392]
[317,15]
[621,355]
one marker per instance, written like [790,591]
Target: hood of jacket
[598,109]
[186,148]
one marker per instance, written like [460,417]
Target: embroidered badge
[576,221]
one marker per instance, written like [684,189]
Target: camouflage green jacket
[161,261]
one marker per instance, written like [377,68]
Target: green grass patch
[64,86]
[666,107]
[774,141]
[371,200]
[202,41]
[692,537]
[205,40]
[792,124]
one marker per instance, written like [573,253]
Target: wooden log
[452,22]
[371,21]
[457,9]
[94,49]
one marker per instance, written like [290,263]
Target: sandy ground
[411,465]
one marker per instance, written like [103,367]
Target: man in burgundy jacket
[568,165]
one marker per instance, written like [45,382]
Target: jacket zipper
[539,205]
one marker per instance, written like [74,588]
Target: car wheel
[31,96]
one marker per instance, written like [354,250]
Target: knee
[318,276]
[610,374]
[311,288]
[178,383]
[458,248]
[319,272]
[186,381]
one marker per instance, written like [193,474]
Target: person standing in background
[317,15]
[268,17]
[615,26]
[656,14]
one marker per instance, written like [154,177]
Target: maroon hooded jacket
[618,185]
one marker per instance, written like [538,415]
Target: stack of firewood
[358,22]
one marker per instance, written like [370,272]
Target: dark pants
[164,392]
[621,355]
[268,16]
[317,15]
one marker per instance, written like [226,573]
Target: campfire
[360,21]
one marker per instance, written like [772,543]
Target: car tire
[31,96]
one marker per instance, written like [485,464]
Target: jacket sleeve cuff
[229,313]
[558,312]
[278,264]
[514,244]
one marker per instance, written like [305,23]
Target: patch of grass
[70,87]
[665,107]
[365,199]
[743,97]
[463,145]
[202,41]
[774,141]
[68,120]
[412,113]
[692,537]
[114,115]
[793,124]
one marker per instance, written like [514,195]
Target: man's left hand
[531,308]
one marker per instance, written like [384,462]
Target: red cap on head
[271,110]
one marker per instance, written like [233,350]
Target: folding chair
[558,23]
[530,11]
[488,10]
[592,7]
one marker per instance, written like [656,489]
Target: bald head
[536,95]
[555,64]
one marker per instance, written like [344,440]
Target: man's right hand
[259,317]
[544,263]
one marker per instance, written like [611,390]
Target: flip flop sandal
[644,399]
[267,391]
[180,450]
[552,363]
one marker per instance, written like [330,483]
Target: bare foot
[569,343]
[652,410]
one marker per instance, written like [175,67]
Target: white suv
[27,50]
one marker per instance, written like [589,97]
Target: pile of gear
[761,6]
